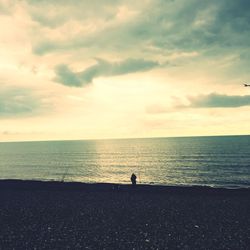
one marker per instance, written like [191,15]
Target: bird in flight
[246,85]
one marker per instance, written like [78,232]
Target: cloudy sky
[74,69]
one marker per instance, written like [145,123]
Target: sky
[95,69]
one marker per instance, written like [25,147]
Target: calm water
[214,161]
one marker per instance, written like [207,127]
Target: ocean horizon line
[127,138]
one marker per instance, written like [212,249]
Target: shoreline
[77,186]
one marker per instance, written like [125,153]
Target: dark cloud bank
[212,100]
[214,29]
[66,76]
[170,25]
[219,101]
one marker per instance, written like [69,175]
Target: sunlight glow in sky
[116,69]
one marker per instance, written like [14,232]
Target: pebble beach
[55,215]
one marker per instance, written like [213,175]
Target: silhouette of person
[133,179]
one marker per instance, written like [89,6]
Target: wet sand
[53,215]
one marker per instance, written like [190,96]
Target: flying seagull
[246,85]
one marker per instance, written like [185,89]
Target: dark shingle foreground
[47,218]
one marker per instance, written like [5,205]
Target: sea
[217,161]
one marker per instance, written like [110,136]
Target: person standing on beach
[133,179]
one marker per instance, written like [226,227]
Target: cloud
[67,77]
[160,30]
[60,12]
[16,102]
[175,25]
[212,100]
[215,100]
